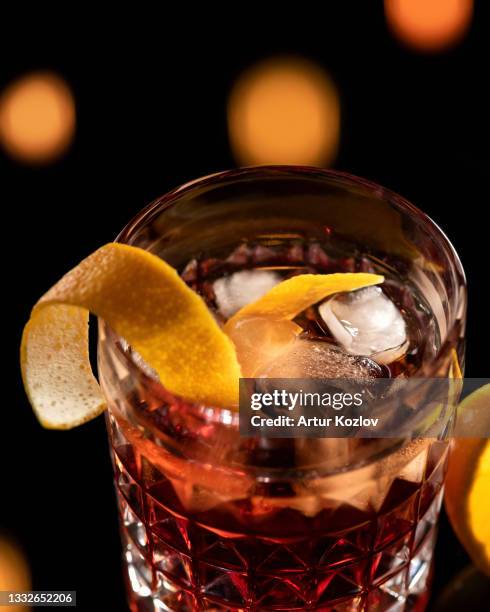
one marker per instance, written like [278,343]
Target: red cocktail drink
[214,521]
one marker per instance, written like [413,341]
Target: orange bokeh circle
[37,117]
[429,25]
[284,111]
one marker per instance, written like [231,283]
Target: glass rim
[166,200]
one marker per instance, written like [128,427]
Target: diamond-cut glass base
[176,562]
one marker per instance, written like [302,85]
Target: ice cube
[235,291]
[311,359]
[366,322]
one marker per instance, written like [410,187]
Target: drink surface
[214,522]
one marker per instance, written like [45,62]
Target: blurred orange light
[429,25]
[14,571]
[37,117]
[284,111]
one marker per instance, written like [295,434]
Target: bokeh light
[284,111]
[429,25]
[37,118]
[14,571]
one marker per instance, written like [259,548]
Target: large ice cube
[310,359]
[366,322]
[235,291]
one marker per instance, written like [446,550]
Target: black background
[151,98]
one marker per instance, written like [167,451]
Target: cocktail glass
[212,521]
